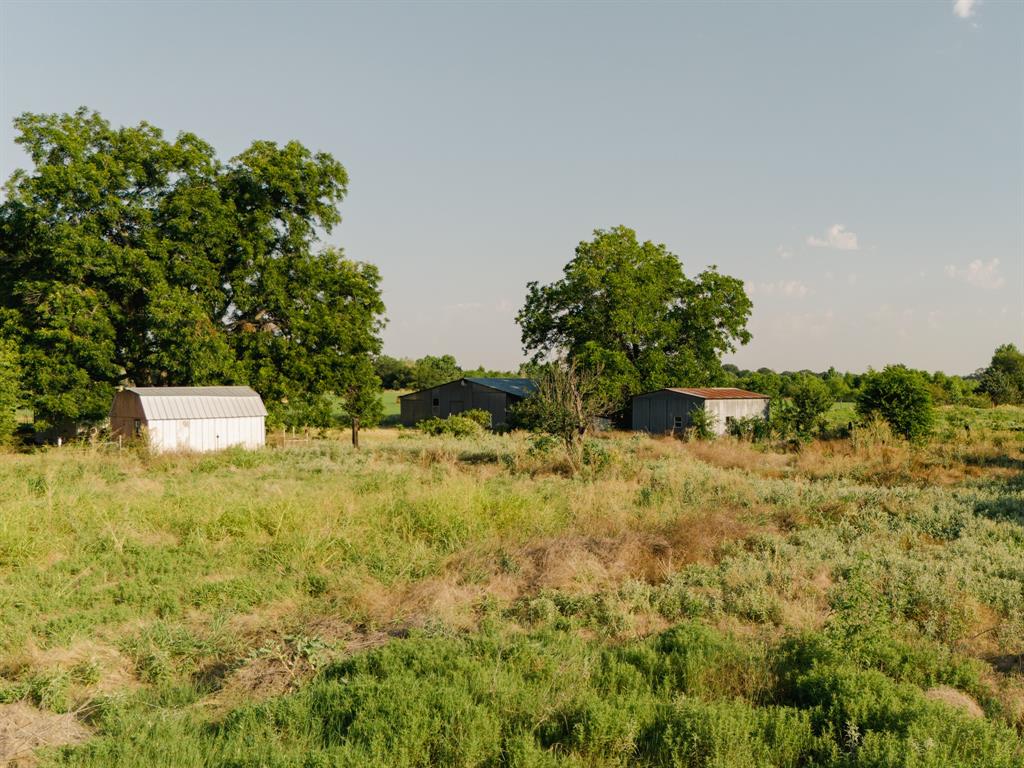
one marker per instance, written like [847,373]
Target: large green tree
[627,308]
[1003,380]
[10,388]
[130,258]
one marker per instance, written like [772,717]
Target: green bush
[901,397]
[455,425]
[479,415]
[810,398]
[702,425]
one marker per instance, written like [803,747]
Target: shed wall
[203,435]
[656,412]
[455,397]
[724,410]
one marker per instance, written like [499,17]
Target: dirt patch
[955,698]
[24,729]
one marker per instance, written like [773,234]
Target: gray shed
[669,409]
[190,418]
[496,395]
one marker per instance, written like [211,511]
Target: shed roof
[510,386]
[516,386]
[198,402]
[719,393]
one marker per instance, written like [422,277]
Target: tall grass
[157,595]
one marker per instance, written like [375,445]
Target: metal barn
[190,418]
[669,409]
[496,395]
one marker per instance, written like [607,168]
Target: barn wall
[655,412]
[125,409]
[453,398]
[202,435]
[724,410]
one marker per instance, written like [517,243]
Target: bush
[479,415]
[810,400]
[901,397]
[702,425]
[456,425]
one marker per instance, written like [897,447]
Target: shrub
[455,425]
[702,425]
[901,397]
[810,398]
[479,415]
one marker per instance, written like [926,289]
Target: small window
[138,427]
[437,402]
[677,422]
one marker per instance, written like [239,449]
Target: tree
[10,388]
[126,258]
[810,400]
[567,402]
[1003,380]
[360,398]
[901,397]
[627,308]
[392,372]
[432,371]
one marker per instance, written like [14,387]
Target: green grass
[725,604]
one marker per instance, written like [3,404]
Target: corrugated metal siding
[455,397]
[202,435]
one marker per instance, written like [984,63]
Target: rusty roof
[719,393]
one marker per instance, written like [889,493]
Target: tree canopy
[627,308]
[1003,380]
[128,258]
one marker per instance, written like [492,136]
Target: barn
[190,418]
[492,394]
[669,409]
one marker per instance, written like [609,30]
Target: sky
[859,165]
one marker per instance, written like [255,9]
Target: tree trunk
[355,433]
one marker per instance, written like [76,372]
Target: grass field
[431,601]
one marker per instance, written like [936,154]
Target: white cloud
[964,8]
[838,237]
[784,253]
[978,273]
[792,288]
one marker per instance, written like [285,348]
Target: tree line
[129,259]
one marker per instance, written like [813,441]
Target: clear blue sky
[860,165]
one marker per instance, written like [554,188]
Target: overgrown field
[426,601]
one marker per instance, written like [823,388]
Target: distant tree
[393,372]
[10,388]
[627,308]
[129,258]
[763,382]
[1003,380]
[567,402]
[810,399]
[360,398]
[430,371]
[901,397]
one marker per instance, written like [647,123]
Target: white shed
[190,418]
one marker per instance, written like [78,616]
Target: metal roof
[510,386]
[517,387]
[198,402]
[718,393]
